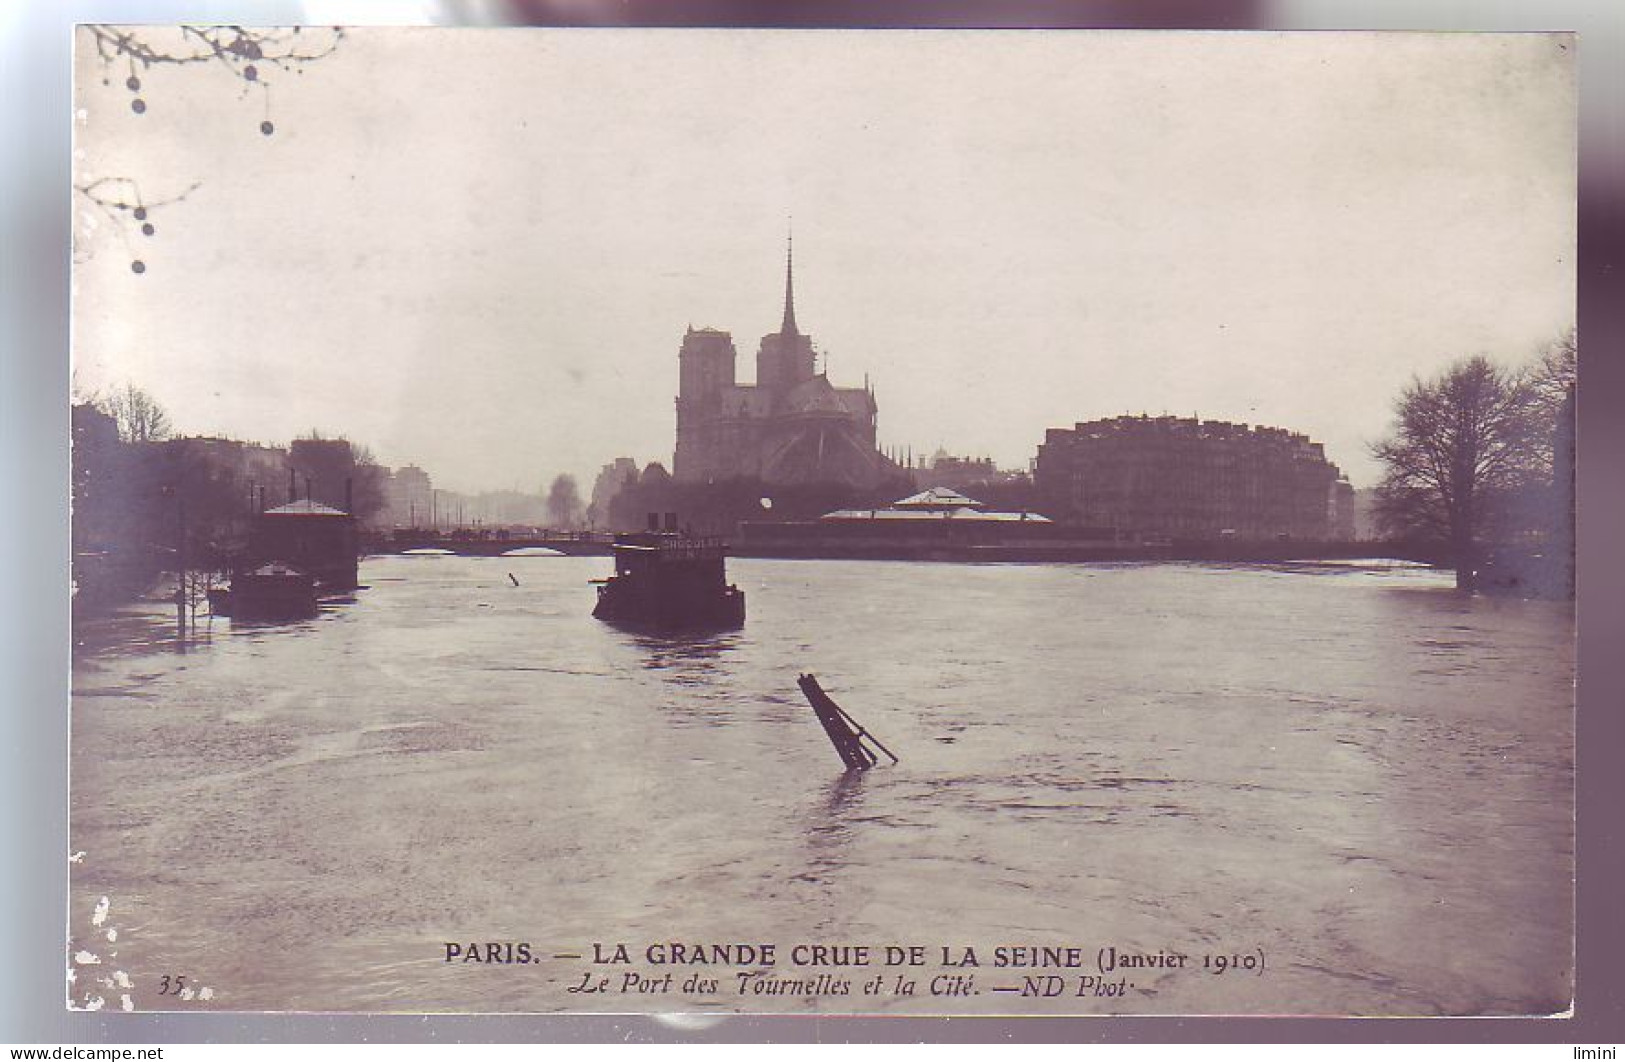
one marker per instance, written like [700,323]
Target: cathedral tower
[785,358]
[705,373]
[792,426]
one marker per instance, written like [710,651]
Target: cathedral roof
[818,395]
[815,396]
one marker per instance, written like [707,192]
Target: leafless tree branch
[237,48]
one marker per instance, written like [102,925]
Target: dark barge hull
[633,607]
[265,604]
[667,583]
[273,593]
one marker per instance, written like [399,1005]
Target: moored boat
[670,582]
[269,592]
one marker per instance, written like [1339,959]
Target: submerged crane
[850,739]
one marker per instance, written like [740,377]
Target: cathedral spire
[789,326]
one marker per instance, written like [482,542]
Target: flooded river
[1350,784]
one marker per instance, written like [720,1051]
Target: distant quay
[495,543]
[752,543]
[1515,571]
[836,548]
[817,541]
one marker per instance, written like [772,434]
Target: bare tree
[140,418]
[1552,381]
[1550,501]
[564,502]
[251,57]
[1556,370]
[1463,446]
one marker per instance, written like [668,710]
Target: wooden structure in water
[852,742]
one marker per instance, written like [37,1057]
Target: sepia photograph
[639,521]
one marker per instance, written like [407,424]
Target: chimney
[293,487]
[262,499]
[349,496]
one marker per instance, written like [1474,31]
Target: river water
[1350,782]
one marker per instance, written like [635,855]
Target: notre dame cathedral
[792,427]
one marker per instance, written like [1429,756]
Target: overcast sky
[477,250]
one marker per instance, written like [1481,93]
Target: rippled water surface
[1359,774]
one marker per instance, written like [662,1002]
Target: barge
[668,581]
[269,593]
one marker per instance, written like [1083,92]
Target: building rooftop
[964,516]
[305,507]
[938,503]
[937,498]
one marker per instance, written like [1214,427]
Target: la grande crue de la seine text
[1003,956]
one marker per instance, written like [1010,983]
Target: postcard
[822,522]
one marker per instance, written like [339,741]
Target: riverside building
[1180,477]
